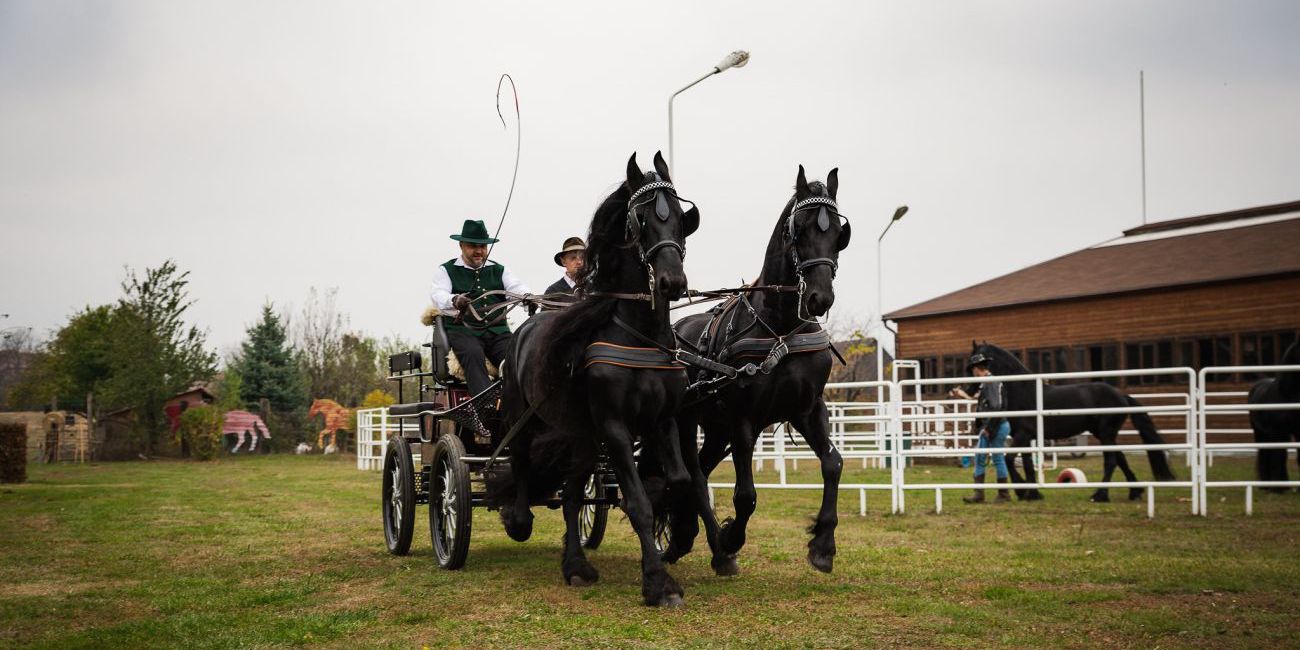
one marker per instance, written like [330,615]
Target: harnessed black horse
[785,357]
[601,374]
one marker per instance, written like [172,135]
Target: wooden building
[1218,289]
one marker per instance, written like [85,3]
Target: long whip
[518,147]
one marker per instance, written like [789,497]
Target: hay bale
[13,452]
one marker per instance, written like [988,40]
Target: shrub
[201,429]
[13,452]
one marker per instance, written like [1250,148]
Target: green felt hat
[474,232]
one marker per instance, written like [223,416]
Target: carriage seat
[446,367]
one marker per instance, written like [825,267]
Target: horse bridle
[656,191]
[827,207]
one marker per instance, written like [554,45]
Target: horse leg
[732,532]
[1271,463]
[320,438]
[657,586]
[1102,495]
[517,518]
[713,450]
[1134,493]
[578,572]
[815,427]
[681,502]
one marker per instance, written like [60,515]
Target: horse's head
[1001,362]
[814,234]
[658,227]
[315,408]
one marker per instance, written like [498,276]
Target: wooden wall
[1228,308]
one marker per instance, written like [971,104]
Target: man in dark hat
[466,278]
[571,258]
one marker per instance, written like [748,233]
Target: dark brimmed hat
[474,232]
[977,359]
[571,244]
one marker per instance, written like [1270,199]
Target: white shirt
[569,281]
[442,293]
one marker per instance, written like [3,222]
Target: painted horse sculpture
[1020,397]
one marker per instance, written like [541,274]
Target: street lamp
[880,297]
[736,59]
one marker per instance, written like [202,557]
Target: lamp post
[880,297]
[736,59]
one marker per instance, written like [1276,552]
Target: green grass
[282,551]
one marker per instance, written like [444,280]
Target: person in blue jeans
[993,430]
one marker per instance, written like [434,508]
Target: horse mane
[774,258]
[604,259]
[1008,364]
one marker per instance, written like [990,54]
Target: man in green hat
[466,278]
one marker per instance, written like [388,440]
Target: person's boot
[978,497]
[1003,495]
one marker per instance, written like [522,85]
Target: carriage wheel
[663,531]
[450,510]
[397,496]
[593,516]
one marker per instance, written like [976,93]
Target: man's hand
[460,301]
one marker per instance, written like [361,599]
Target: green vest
[474,282]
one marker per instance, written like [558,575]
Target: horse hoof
[1100,497]
[671,601]
[1033,495]
[727,537]
[579,581]
[823,563]
[1134,494]
[725,566]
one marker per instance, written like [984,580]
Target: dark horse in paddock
[800,264]
[1276,426]
[571,408]
[1020,397]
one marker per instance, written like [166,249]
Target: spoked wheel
[663,531]
[450,510]
[594,516]
[398,496]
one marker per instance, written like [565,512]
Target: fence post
[896,430]
[1038,401]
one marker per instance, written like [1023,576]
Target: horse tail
[1151,436]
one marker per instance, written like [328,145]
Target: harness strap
[514,429]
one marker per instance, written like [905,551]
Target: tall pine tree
[268,367]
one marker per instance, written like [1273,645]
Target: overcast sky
[273,146]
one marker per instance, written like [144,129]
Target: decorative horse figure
[1276,426]
[777,329]
[245,425]
[336,417]
[599,374]
[1096,394]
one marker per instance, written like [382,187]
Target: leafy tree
[200,428]
[151,353]
[268,367]
[76,362]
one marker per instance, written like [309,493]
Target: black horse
[1276,426]
[565,403]
[798,269]
[1020,397]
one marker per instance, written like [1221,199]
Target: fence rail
[892,434]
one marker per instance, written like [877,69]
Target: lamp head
[898,214]
[736,59]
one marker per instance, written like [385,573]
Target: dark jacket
[560,286]
[993,397]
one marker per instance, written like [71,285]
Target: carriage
[447,445]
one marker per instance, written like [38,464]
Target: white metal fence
[890,435]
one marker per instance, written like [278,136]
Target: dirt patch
[48,588]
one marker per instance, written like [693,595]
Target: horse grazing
[597,375]
[776,330]
[1020,397]
[337,417]
[1276,426]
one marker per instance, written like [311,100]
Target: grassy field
[276,551]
